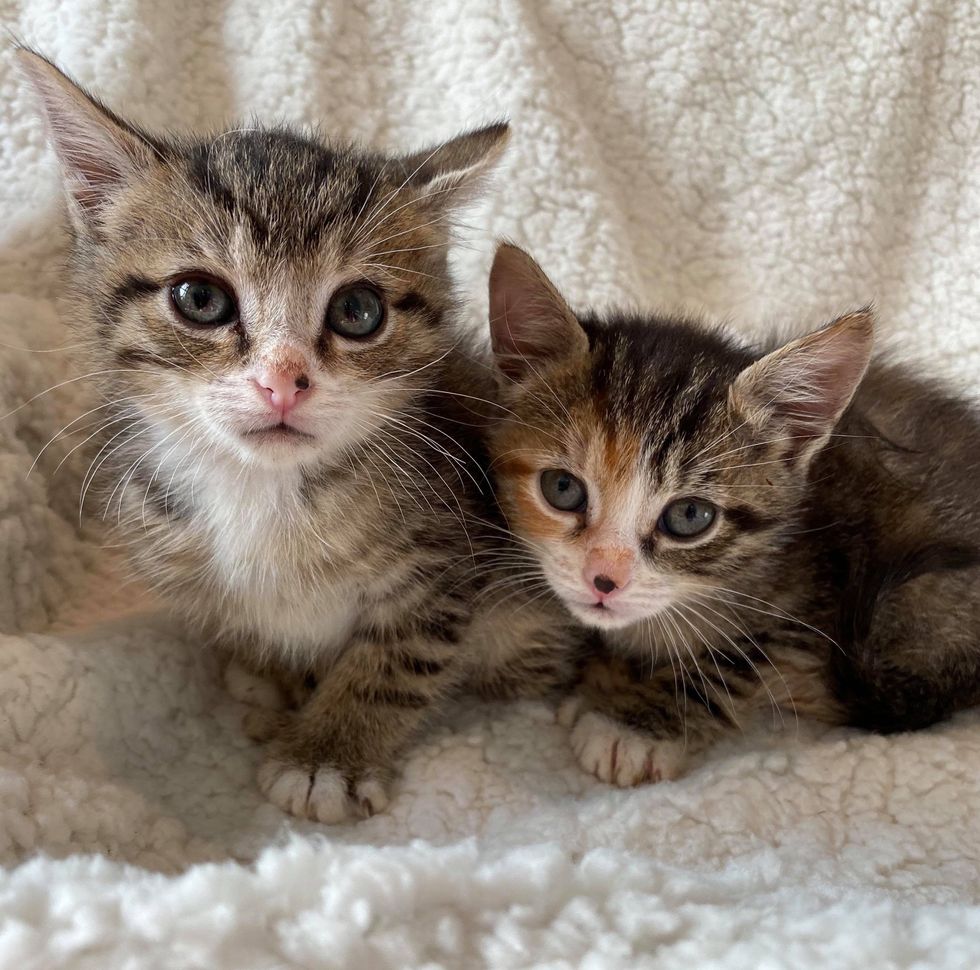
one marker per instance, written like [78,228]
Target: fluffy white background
[771,161]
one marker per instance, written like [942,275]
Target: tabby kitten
[797,528]
[287,427]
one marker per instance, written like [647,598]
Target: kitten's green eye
[563,490]
[203,301]
[355,312]
[687,517]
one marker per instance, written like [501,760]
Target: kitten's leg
[334,757]
[630,726]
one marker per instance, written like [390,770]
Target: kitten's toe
[641,759]
[251,689]
[286,786]
[319,795]
[621,756]
[371,795]
[322,795]
[595,741]
[329,802]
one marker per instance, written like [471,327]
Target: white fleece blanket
[773,161]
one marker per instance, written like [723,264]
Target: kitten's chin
[279,445]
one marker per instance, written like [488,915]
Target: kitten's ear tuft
[454,172]
[801,390]
[530,323]
[96,149]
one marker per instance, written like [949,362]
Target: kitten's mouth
[600,614]
[276,432]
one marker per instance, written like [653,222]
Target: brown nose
[604,584]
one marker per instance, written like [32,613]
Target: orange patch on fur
[531,520]
[620,454]
[516,467]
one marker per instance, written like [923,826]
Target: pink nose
[607,572]
[282,389]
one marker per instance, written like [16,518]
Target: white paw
[251,689]
[321,796]
[618,755]
[371,795]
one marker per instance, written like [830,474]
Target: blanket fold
[774,164]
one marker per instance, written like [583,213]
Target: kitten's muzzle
[283,385]
[282,389]
[607,572]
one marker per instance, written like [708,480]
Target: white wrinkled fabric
[773,162]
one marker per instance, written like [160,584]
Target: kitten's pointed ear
[801,390]
[530,323]
[454,172]
[96,149]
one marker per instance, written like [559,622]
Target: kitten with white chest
[291,427]
[797,528]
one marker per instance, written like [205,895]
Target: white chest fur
[269,552]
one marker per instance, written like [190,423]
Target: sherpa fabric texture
[773,162]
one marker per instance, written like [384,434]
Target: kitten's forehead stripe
[693,411]
[289,190]
[210,180]
[662,385]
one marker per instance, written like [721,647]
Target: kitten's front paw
[618,755]
[324,794]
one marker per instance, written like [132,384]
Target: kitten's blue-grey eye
[687,517]
[563,490]
[355,312]
[203,301]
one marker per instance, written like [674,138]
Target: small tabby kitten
[798,528]
[289,431]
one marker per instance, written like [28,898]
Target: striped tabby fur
[355,568]
[839,576]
